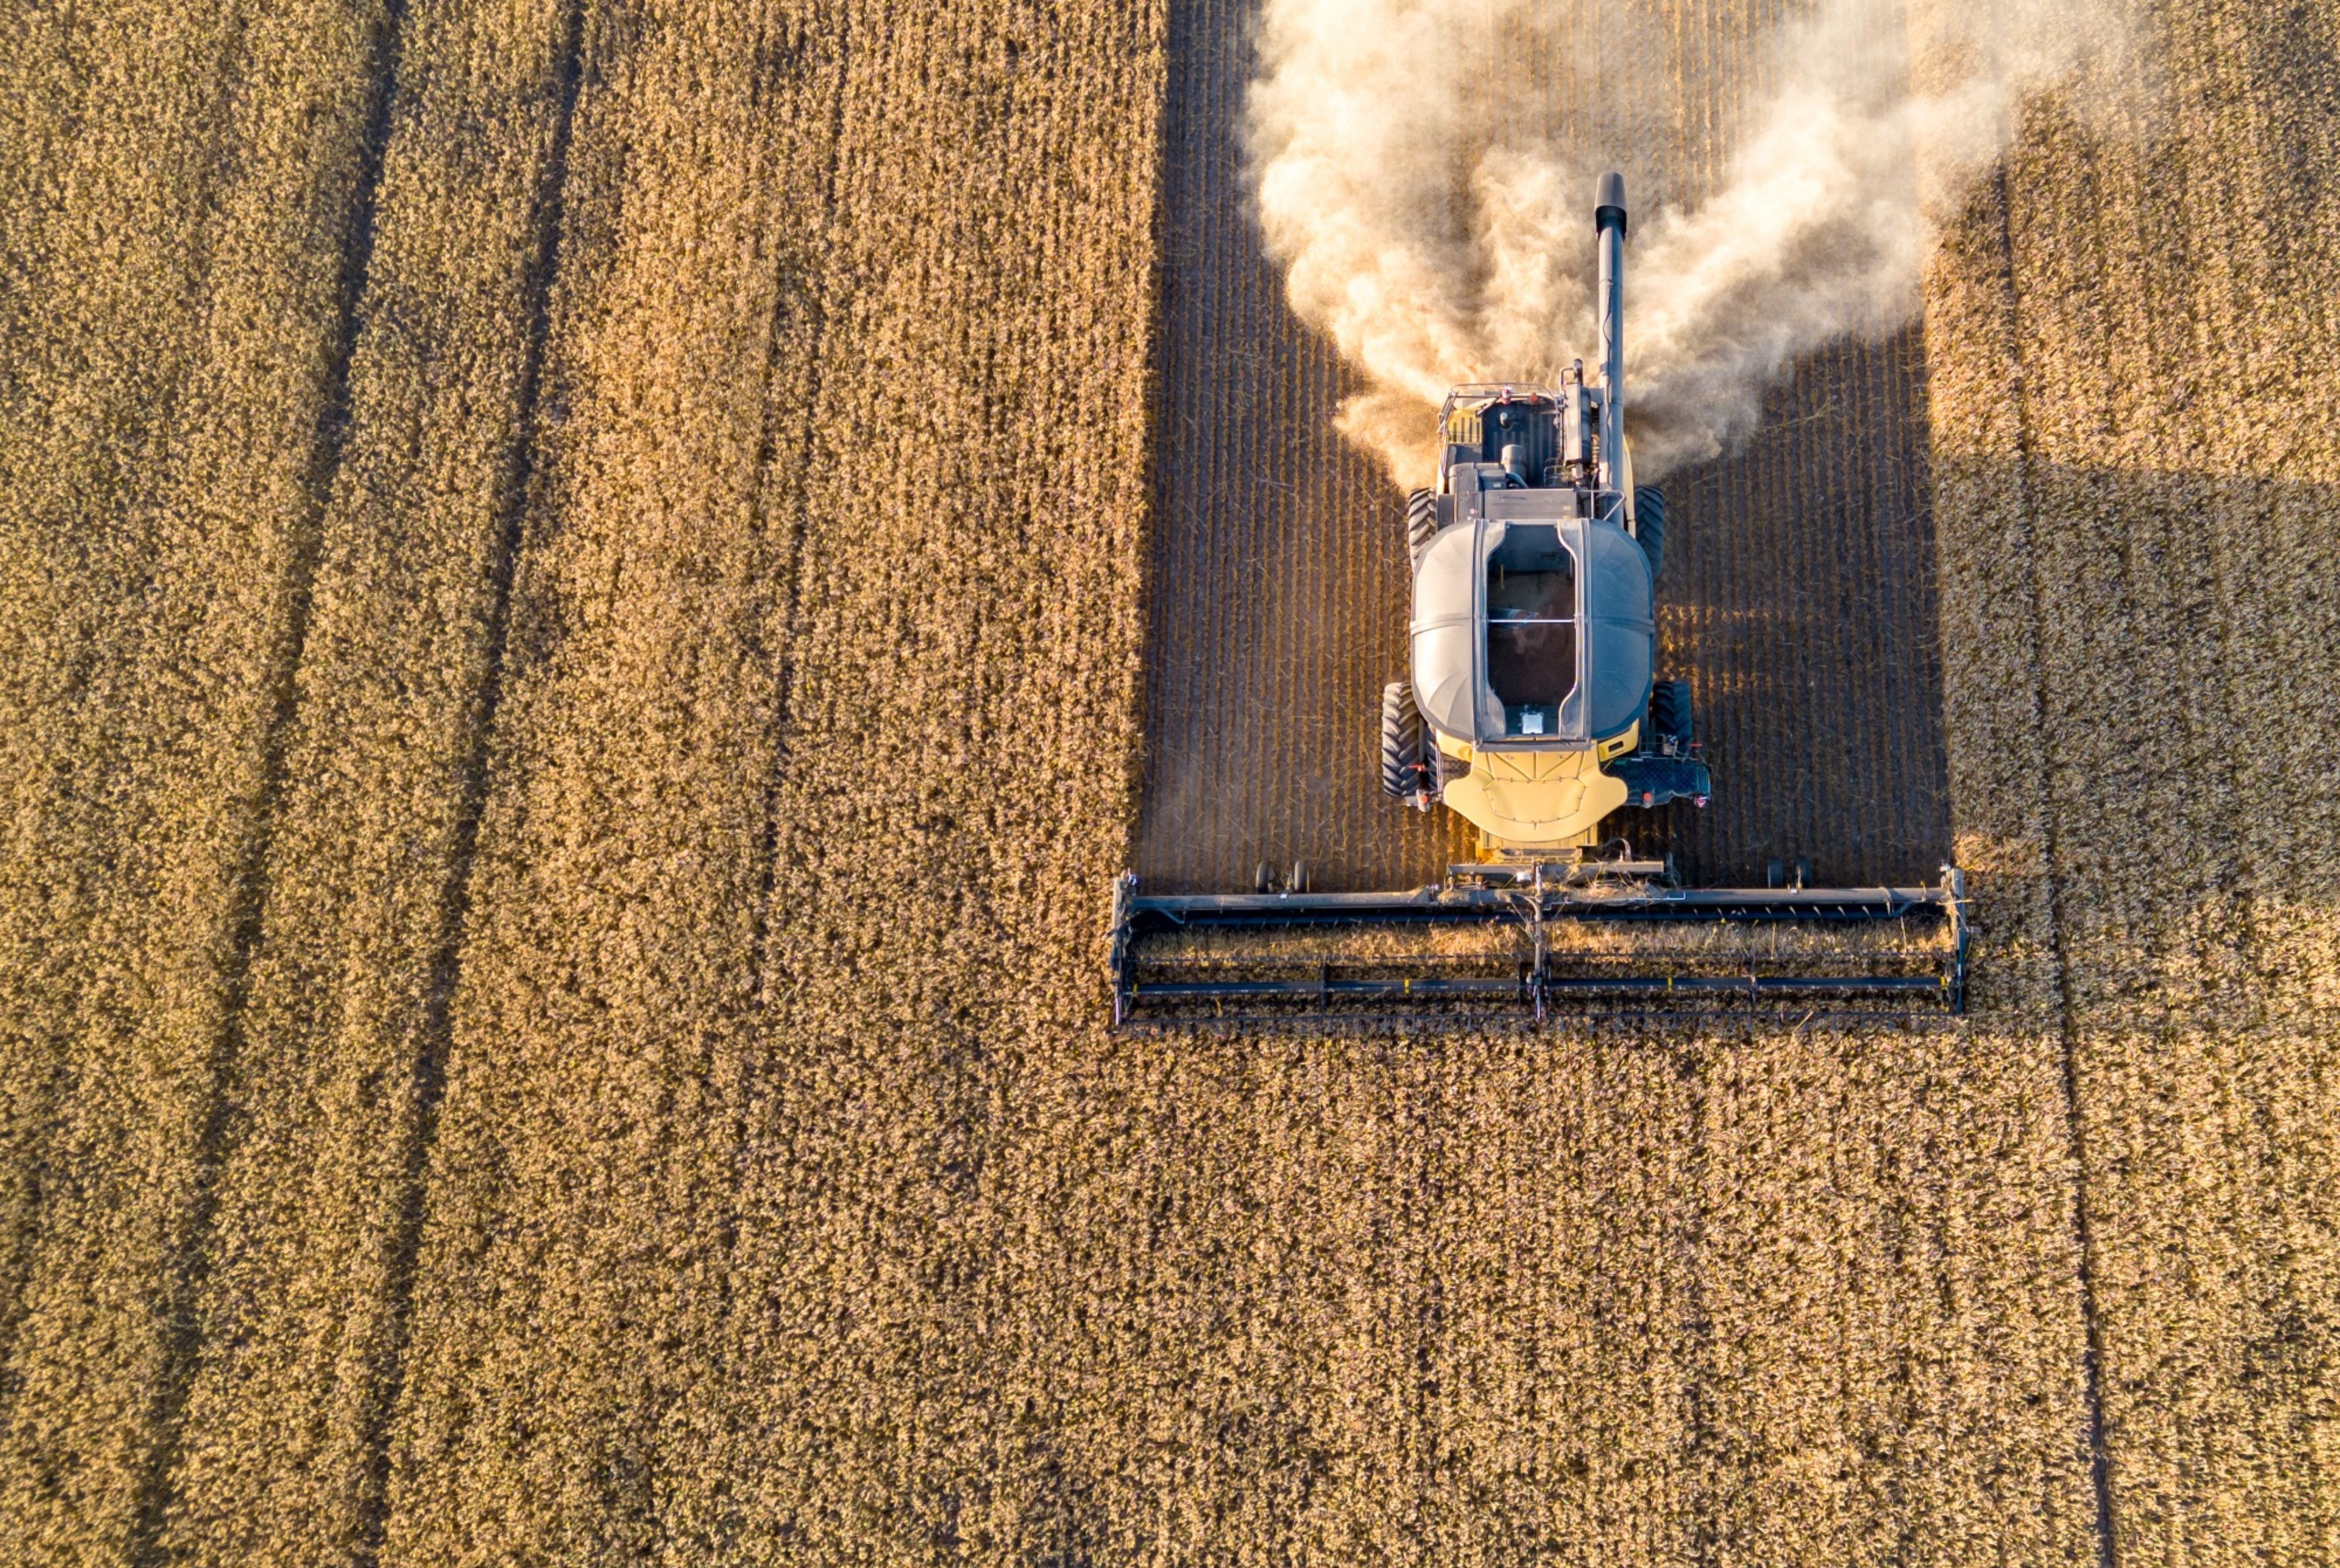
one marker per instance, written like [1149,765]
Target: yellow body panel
[1536,799]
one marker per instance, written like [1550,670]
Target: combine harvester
[1534,714]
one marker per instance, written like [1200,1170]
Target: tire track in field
[301,1311]
[248,887]
[219,513]
[592,1129]
[430,1065]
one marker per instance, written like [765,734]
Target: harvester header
[1533,709]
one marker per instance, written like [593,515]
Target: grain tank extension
[1534,709]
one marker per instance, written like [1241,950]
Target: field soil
[593,593]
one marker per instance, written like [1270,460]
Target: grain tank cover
[1532,622]
[1619,608]
[1445,664]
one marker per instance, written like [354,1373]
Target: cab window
[1531,628]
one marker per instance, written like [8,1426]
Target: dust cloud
[1424,174]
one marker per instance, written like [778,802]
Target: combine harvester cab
[1532,710]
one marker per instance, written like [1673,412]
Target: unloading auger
[1532,710]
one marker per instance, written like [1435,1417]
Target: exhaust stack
[1609,223]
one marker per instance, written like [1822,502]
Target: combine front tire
[1649,526]
[1670,715]
[1420,522]
[1401,768]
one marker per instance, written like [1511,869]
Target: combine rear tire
[1649,526]
[1670,713]
[1301,878]
[1420,522]
[1401,741]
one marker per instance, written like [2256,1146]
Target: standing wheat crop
[174,335]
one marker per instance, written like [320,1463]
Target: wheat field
[579,591]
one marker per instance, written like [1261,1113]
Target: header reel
[1518,942]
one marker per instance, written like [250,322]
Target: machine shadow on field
[1798,598]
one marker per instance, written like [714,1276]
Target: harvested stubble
[1799,596]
